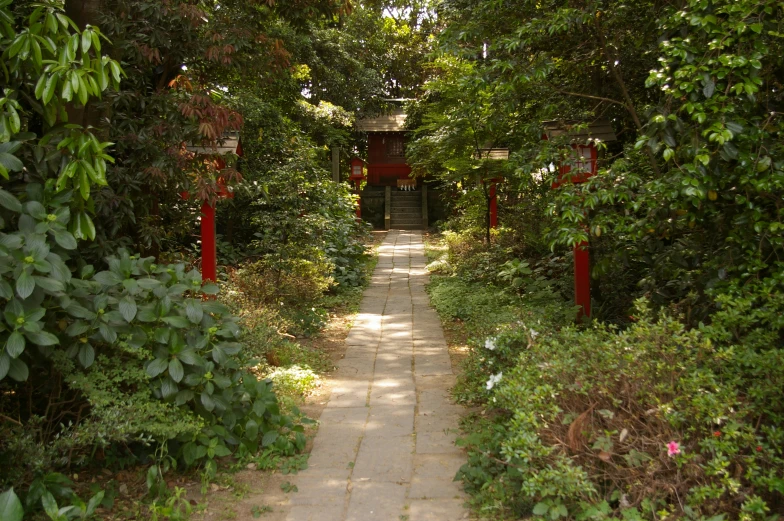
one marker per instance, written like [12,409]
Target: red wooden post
[585,168]
[582,278]
[209,254]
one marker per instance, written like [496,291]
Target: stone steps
[406,210]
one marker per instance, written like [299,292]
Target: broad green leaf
[86,355]
[269,438]
[87,40]
[210,289]
[18,370]
[15,344]
[108,278]
[10,162]
[25,285]
[184,396]
[189,453]
[189,356]
[6,291]
[107,332]
[10,507]
[87,225]
[541,509]
[94,502]
[10,202]
[35,209]
[168,388]
[49,284]
[5,364]
[77,328]
[161,335]
[128,308]
[65,239]
[42,338]
[259,407]
[12,242]
[207,401]
[194,311]
[222,451]
[156,367]
[50,505]
[175,370]
[252,430]
[49,89]
[176,321]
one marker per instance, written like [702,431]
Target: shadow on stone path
[385,446]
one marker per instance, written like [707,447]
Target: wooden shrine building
[386,164]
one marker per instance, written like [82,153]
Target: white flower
[533,334]
[494,379]
[490,344]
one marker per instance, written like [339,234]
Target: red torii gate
[584,151]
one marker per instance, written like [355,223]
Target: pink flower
[673,448]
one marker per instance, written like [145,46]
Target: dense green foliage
[684,210]
[117,357]
[577,421]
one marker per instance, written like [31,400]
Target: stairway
[406,210]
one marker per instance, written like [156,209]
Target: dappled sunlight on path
[385,446]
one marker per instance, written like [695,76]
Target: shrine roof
[600,129]
[394,122]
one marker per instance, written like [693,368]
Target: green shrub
[292,282]
[130,353]
[582,421]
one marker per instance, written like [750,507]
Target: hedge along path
[385,446]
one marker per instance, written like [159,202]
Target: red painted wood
[382,175]
[582,263]
[209,255]
[579,177]
[381,169]
[582,279]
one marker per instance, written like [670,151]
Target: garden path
[385,446]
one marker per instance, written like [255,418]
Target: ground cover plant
[595,422]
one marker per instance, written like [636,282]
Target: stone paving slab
[355,367]
[385,459]
[381,501]
[436,510]
[385,447]
[390,421]
[349,393]
[432,473]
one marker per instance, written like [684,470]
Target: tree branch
[614,69]
[589,96]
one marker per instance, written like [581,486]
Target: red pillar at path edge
[209,256]
[582,279]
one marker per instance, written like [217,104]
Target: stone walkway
[385,446]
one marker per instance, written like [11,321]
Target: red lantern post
[209,254]
[357,176]
[583,135]
[585,167]
[497,154]
[494,202]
